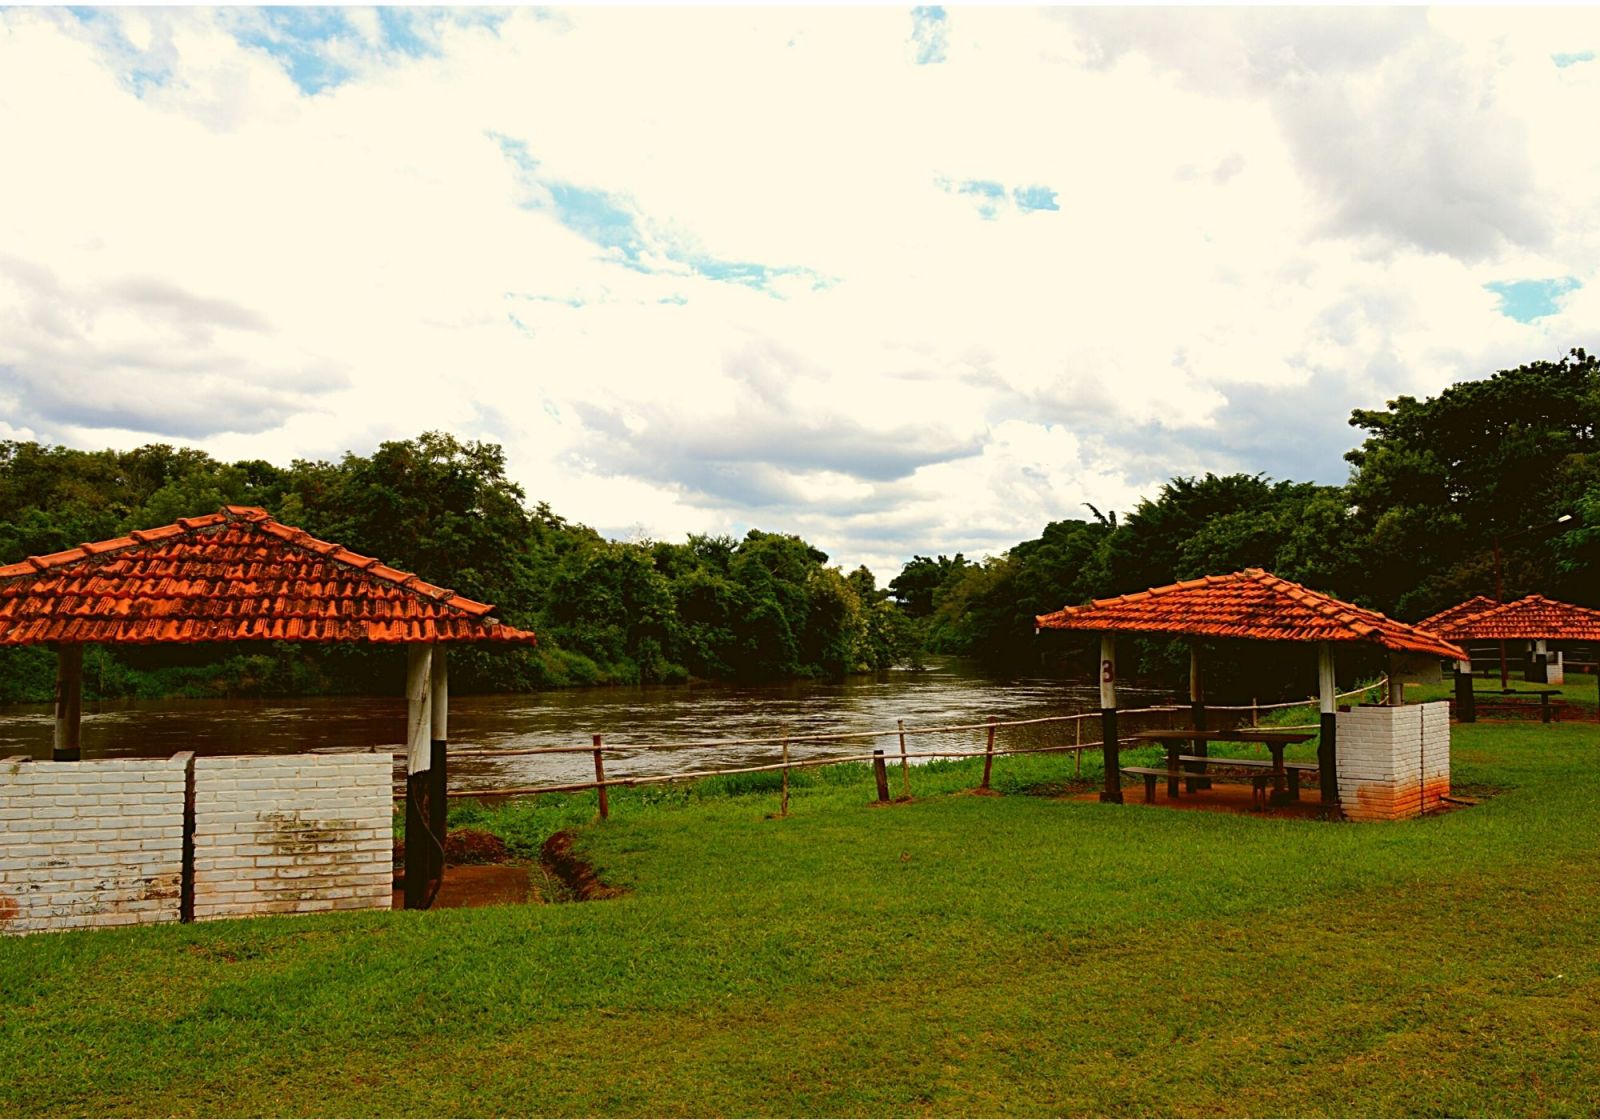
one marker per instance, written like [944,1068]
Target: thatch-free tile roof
[1440,623]
[233,575]
[1248,604]
[1533,618]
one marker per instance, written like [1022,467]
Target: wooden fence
[1132,721]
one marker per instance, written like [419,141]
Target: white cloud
[1265,219]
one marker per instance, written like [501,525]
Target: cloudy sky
[898,280]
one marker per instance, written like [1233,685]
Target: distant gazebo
[238,575]
[1533,619]
[1251,604]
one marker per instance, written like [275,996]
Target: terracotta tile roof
[1247,604]
[1440,623]
[233,575]
[1530,619]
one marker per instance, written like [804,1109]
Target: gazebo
[1250,604]
[238,575]
[1534,619]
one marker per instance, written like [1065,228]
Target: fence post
[784,811]
[600,779]
[988,755]
[1077,741]
[905,762]
[880,774]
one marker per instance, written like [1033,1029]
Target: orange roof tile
[1529,619]
[233,575]
[1247,604]
[1440,623]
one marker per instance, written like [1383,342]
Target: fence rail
[988,752]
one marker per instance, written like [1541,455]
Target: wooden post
[419,760]
[1397,684]
[439,746]
[905,762]
[1110,751]
[988,755]
[1327,746]
[600,778]
[1466,700]
[880,774]
[69,703]
[784,807]
[1077,755]
[1544,707]
[1197,717]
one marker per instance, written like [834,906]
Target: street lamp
[1499,585]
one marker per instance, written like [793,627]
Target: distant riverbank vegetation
[1433,485]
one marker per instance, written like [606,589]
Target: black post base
[1328,764]
[417,841]
[1111,752]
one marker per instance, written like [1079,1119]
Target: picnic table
[1274,741]
[1509,699]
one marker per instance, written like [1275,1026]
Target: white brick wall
[95,843]
[1393,762]
[292,833]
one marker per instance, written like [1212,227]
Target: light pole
[1499,585]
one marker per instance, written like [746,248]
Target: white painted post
[419,760]
[438,814]
[1327,749]
[1109,748]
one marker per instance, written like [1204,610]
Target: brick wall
[292,833]
[1393,762]
[90,843]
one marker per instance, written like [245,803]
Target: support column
[69,703]
[1197,717]
[1397,683]
[1466,699]
[1110,752]
[419,760]
[1327,747]
[438,775]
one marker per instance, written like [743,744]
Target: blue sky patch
[138,70]
[930,33]
[611,222]
[1527,300]
[297,38]
[1035,198]
[1564,60]
[991,197]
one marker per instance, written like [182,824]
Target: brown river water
[652,729]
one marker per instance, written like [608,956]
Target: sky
[899,280]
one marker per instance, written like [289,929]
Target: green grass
[953,955]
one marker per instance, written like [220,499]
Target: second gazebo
[1252,604]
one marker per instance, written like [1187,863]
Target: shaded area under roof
[233,575]
[1251,604]
[1533,618]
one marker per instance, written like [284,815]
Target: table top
[1242,735]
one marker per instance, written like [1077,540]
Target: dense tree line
[762,608]
[1433,485]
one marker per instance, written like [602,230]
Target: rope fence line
[601,783]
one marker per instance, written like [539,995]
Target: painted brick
[277,834]
[1393,763]
[86,843]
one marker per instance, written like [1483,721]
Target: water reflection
[651,723]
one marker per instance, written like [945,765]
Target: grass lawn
[955,955]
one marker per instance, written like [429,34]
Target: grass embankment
[1012,955]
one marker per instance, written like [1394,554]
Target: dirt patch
[463,847]
[482,885]
[574,873]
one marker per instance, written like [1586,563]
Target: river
[650,724]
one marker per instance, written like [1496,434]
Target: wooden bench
[1506,702]
[1258,782]
[1292,769]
